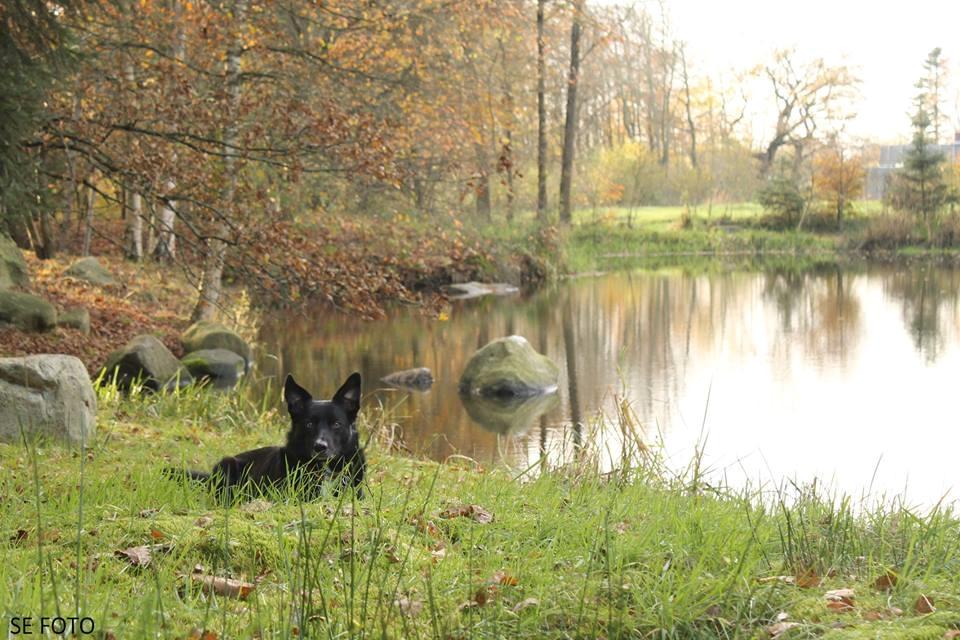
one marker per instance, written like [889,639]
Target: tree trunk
[570,127]
[691,127]
[88,221]
[482,186]
[133,202]
[216,253]
[541,118]
[166,248]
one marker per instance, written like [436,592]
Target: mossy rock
[13,268]
[509,367]
[26,312]
[221,367]
[145,360]
[77,318]
[90,270]
[207,334]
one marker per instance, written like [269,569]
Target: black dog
[322,444]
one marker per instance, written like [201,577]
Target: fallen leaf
[227,587]
[886,582]
[714,611]
[149,513]
[137,556]
[526,603]
[473,511]
[924,604]
[951,634]
[840,599]
[426,526]
[504,578]
[842,595]
[408,606]
[874,614]
[20,536]
[621,527]
[156,534]
[775,630]
[204,521]
[202,634]
[808,580]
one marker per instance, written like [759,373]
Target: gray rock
[13,269]
[207,334]
[512,416]
[26,312]
[148,361]
[77,318]
[509,367]
[469,290]
[420,379]
[221,367]
[48,395]
[90,270]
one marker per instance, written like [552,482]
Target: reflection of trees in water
[928,297]
[818,310]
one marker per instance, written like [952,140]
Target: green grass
[570,552]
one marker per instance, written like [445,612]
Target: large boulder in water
[221,367]
[47,395]
[26,312]
[207,334]
[90,270]
[148,361]
[509,367]
[13,268]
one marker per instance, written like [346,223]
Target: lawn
[445,550]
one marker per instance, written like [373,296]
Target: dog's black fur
[322,444]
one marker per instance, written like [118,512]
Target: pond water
[847,375]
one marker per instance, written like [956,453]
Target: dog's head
[324,429]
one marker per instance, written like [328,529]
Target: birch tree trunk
[570,127]
[541,117]
[216,245]
[133,241]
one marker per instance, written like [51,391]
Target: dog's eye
[337,425]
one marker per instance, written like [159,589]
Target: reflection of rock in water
[512,416]
[420,379]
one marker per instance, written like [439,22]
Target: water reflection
[796,362]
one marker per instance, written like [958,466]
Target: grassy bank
[564,553]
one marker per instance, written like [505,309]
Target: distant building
[891,159]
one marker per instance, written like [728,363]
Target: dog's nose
[320,446]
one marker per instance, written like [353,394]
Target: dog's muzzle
[321,447]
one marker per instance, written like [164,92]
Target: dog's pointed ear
[348,396]
[298,398]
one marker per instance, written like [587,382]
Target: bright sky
[883,41]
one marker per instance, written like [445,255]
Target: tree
[807,97]
[541,116]
[932,86]
[36,51]
[838,177]
[919,186]
[570,125]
